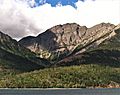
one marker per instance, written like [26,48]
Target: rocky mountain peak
[67,38]
[68,27]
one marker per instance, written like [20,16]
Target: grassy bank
[66,77]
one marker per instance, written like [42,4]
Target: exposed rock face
[68,38]
[106,53]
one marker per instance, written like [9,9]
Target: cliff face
[106,53]
[68,39]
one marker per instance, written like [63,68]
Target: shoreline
[53,88]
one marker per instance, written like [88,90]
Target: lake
[40,91]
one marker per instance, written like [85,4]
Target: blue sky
[18,19]
[55,2]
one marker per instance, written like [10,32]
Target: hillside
[114,42]
[16,58]
[83,76]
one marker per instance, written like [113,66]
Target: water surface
[38,91]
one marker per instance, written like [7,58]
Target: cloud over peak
[18,19]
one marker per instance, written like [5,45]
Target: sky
[20,18]
[53,3]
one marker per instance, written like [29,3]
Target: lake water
[37,91]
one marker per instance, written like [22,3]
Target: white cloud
[18,20]
[99,11]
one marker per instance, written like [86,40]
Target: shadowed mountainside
[15,57]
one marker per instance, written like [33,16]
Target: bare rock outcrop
[68,38]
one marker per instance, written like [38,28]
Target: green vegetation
[15,58]
[12,46]
[112,43]
[9,47]
[57,56]
[10,63]
[98,67]
[63,77]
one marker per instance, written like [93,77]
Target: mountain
[16,58]
[106,53]
[68,39]
[114,42]
[95,51]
